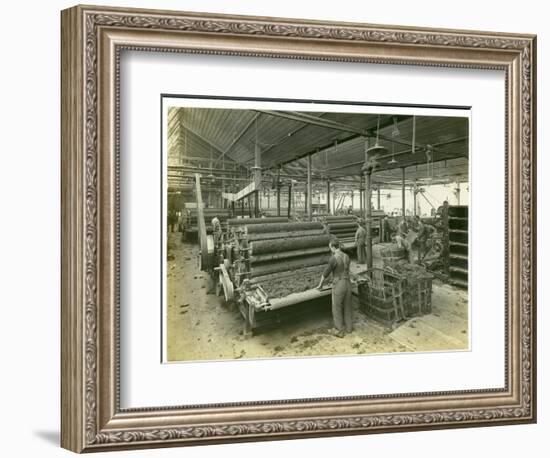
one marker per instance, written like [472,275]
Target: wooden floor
[200,327]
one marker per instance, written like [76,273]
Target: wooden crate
[381,296]
[417,297]
[417,288]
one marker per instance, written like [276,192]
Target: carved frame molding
[92,39]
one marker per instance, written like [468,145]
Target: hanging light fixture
[429,162]
[392,161]
[395,131]
[377,148]
[324,173]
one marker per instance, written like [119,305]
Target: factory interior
[253,198]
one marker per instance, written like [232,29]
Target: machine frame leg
[248,331]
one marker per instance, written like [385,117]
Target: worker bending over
[338,266]
[361,242]
[401,238]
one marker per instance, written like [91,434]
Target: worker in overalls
[338,266]
[386,230]
[172,220]
[402,227]
[361,242]
[216,229]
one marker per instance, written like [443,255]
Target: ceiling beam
[188,129]
[180,171]
[398,153]
[323,148]
[406,166]
[289,135]
[316,121]
[243,131]
[305,117]
[204,139]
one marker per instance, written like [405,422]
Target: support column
[223,203]
[414,197]
[378,197]
[279,191]
[368,214]
[257,171]
[289,200]
[403,191]
[256,204]
[308,193]
[328,197]
[242,207]
[361,196]
[365,192]
[457,191]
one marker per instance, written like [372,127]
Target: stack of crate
[381,296]
[458,245]
[396,293]
[418,294]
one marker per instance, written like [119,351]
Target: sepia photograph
[313,228]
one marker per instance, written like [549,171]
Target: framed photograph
[278,228]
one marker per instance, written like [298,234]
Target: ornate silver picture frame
[93,39]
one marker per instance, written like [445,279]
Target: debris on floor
[206,320]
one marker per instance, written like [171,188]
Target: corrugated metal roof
[215,134]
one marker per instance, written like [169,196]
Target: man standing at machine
[338,266]
[386,230]
[360,242]
[216,228]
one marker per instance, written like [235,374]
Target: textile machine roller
[343,228]
[227,250]
[275,266]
